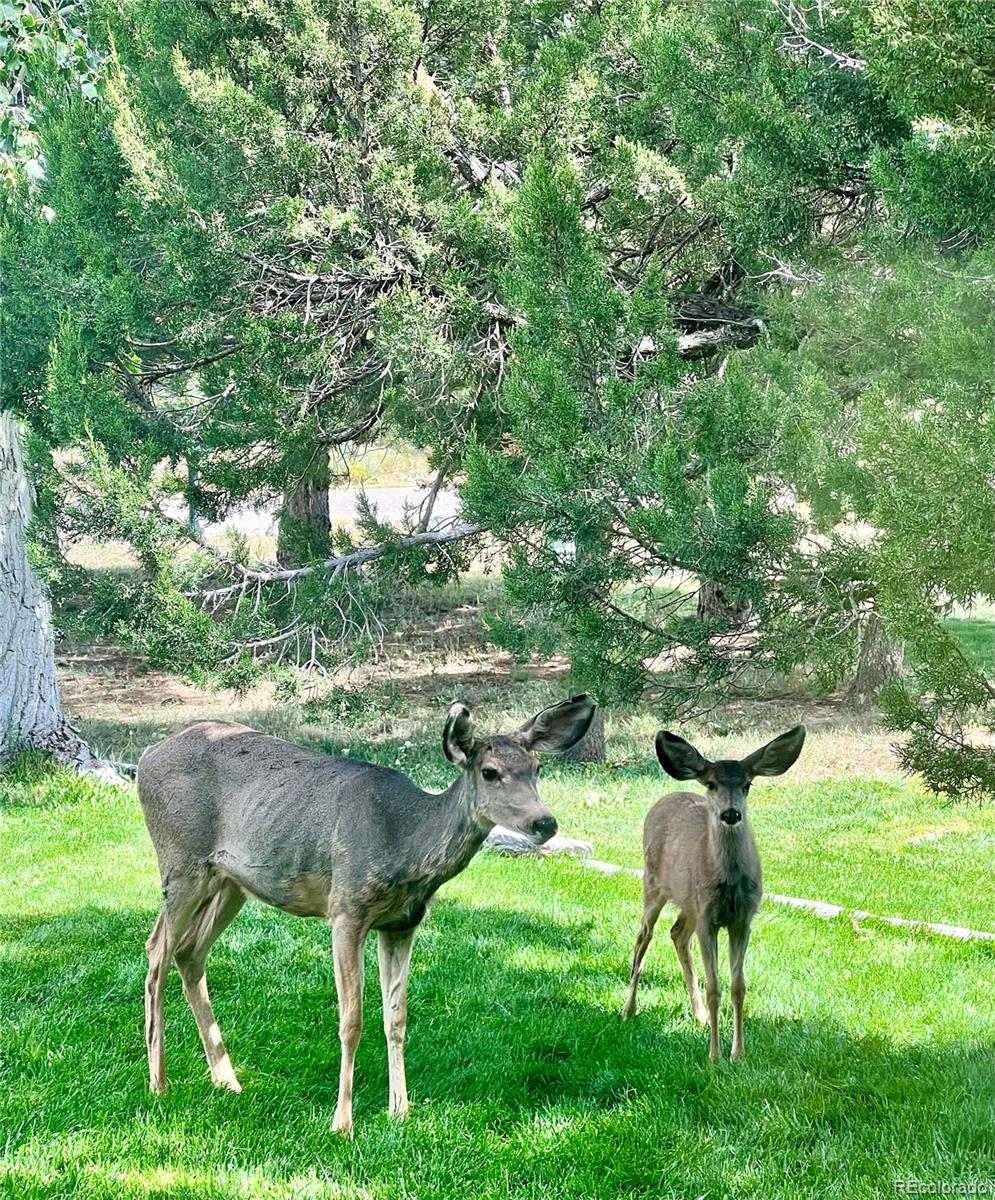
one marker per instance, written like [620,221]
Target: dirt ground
[435,656]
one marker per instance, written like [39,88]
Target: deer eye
[490,774]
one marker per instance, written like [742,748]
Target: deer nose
[730,816]
[544,827]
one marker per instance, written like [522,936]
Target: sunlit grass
[976,637]
[869,1048]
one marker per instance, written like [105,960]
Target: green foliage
[619,467]
[680,294]
[373,703]
[898,358]
[45,57]
[523,632]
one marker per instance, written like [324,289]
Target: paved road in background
[390,504]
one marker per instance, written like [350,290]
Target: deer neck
[732,848]
[460,832]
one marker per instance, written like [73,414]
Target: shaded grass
[870,1049]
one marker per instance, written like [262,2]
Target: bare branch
[337,567]
[801,42]
[341,437]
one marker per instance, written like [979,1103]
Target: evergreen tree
[604,265]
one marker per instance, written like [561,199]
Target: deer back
[283,820]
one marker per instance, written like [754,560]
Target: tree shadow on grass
[520,1072]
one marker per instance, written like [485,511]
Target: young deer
[699,852]
[233,813]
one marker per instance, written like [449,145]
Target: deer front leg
[708,940]
[395,959]
[347,952]
[739,939]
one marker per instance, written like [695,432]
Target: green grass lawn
[976,636]
[869,1048]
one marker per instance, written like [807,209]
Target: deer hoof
[342,1127]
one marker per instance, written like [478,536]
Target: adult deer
[233,813]
[699,852]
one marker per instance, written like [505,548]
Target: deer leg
[651,912]
[181,895]
[681,934]
[395,957]
[348,939]
[191,952]
[708,940]
[159,951]
[739,939]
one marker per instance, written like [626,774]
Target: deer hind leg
[348,939]
[651,912]
[708,938]
[395,958]
[182,894]
[681,934]
[207,924]
[159,951]
[739,939]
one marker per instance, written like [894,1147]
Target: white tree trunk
[31,716]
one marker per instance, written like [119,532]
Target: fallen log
[506,841]
[828,912]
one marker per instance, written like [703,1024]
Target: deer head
[501,771]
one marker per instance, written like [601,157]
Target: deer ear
[558,728]
[777,756]
[457,737]
[678,757]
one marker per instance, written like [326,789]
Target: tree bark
[305,525]
[879,663]
[31,716]
[714,606]
[589,544]
[591,747]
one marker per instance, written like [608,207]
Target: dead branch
[337,567]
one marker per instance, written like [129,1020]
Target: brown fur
[699,852]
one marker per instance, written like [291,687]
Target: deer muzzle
[543,828]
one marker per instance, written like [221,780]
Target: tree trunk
[880,662]
[716,607]
[589,544]
[591,747]
[31,716]
[305,525]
